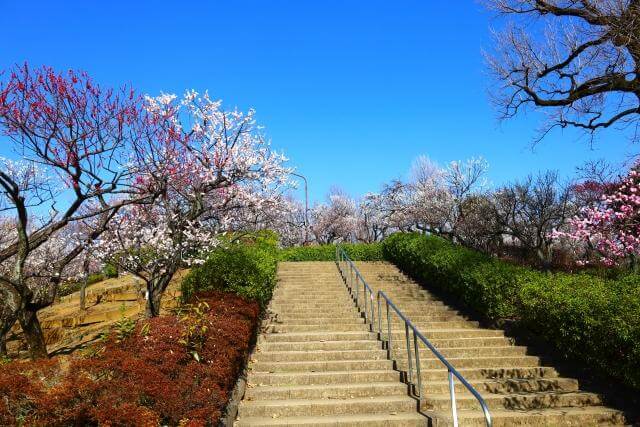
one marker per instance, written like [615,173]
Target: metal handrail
[415,382]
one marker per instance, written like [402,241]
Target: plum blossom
[611,226]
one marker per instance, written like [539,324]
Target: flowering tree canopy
[75,140]
[210,165]
[335,221]
[611,226]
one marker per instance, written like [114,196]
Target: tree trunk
[3,344]
[83,295]
[5,327]
[85,280]
[9,306]
[33,334]
[155,289]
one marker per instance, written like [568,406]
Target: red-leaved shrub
[147,379]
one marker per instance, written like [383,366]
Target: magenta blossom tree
[611,226]
[74,141]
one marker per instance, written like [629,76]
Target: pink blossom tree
[611,227]
[212,163]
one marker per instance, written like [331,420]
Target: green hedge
[246,267]
[357,252]
[589,320]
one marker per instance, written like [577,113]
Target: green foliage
[124,327]
[110,271]
[246,266]
[195,327]
[594,321]
[67,288]
[357,252]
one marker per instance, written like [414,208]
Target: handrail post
[373,316]
[379,317]
[364,298]
[389,341]
[416,350]
[452,394]
[409,358]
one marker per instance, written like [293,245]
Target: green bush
[357,252]
[110,271]
[245,266]
[592,321]
[67,288]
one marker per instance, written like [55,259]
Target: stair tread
[564,411]
[326,401]
[334,419]
[331,386]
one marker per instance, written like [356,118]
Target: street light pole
[306,207]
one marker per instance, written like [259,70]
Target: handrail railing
[354,281]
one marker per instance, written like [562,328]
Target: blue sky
[352,91]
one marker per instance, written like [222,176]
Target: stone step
[323,378]
[393,419]
[457,352]
[502,386]
[323,391]
[369,344]
[307,355]
[319,366]
[594,416]
[462,342]
[304,320]
[501,372]
[473,362]
[316,336]
[356,325]
[440,334]
[326,407]
[516,401]
[316,312]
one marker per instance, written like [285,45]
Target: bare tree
[578,60]
[529,211]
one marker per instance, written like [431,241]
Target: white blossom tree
[213,164]
[335,221]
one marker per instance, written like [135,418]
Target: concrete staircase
[316,363]
[514,384]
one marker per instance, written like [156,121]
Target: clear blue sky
[352,91]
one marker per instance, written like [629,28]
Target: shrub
[67,288]
[147,378]
[109,271]
[357,252]
[590,320]
[246,267]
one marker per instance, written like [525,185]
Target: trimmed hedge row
[357,252]
[589,320]
[247,268]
